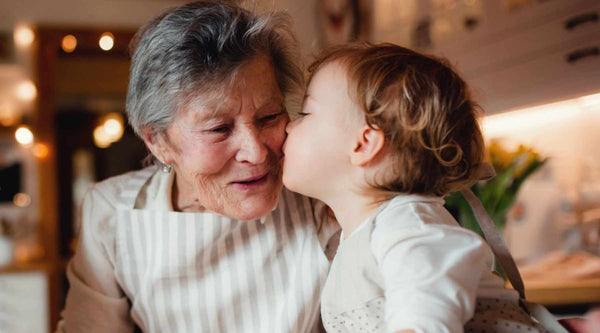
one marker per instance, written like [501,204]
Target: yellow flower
[521,158]
[498,156]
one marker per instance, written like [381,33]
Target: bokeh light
[22,200]
[69,43]
[24,135]
[23,36]
[101,138]
[40,150]
[107,41]
[113,126]
[26,91]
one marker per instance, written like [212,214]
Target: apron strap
[485,172]
[540,313]
[133,185]
[495,241]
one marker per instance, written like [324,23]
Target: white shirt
[410,266]
[138,263]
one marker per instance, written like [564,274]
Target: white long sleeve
[431,267]
[95,302]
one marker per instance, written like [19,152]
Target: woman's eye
[302,114]
[220,129]
[270,117]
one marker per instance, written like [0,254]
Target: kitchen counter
[563,292]
[562,278]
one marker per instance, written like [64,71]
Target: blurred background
[533,65]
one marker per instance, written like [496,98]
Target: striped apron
[203,272]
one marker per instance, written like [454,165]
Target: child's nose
[289,126]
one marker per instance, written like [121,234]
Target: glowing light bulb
[24,135]
[101,138]
[23,36]
[69,43]
[113,126]
[107,41]
[26,91]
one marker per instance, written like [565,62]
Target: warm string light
[109,131]
[24,136]
[69,43]
[101,139]
[107,41]
[23,36]
[26,91]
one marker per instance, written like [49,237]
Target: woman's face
[226,152]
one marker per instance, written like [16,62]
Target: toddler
[384,133]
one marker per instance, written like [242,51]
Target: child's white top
[409,266]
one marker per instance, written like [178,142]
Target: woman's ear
[157,144]
[368,144]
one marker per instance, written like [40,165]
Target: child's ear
[369,143]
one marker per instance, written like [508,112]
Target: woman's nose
[252,148]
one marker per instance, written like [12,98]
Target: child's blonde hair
[424,110]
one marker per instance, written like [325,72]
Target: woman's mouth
[251,183]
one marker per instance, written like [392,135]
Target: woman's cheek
[209,161]
[276,136]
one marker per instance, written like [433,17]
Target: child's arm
[431,274]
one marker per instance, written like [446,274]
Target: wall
[565,193]
[119,13]
[134,13]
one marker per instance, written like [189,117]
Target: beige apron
[202,272]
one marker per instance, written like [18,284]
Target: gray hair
[197,48]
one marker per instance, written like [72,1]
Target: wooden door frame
[47,51]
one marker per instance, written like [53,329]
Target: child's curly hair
[423,108]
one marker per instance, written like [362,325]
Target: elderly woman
[208,241]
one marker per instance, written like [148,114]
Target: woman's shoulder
[99,206]
[111,189]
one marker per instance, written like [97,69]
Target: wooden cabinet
[545,51]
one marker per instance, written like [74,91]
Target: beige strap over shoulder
[540,313]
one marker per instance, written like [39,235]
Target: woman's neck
[183,198]
[352,208]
